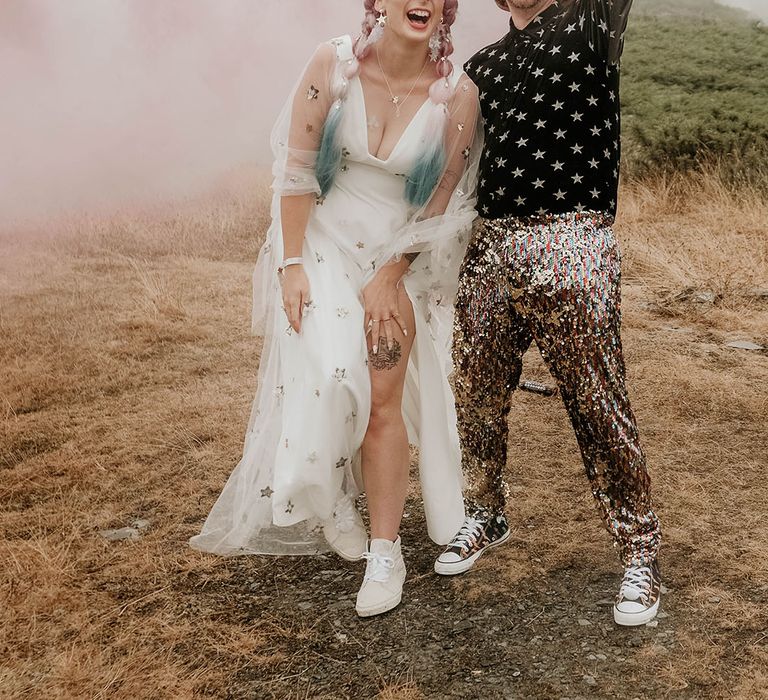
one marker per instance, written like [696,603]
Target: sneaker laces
[379,567]
[636,584]
[470,530]
[345,514]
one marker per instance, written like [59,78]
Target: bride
[375,162]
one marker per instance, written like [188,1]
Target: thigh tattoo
[385,358]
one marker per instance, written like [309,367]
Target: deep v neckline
[365,126]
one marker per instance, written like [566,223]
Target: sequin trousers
[553,280]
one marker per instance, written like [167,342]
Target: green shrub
[695,90]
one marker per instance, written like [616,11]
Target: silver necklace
[395,99]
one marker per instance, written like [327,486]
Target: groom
[544,267]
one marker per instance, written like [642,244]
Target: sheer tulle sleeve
[299,129]
[605,22]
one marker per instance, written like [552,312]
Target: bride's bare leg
[385,455]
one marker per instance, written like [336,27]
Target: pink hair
[439,91]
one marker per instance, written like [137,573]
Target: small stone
[744,345]
[122,533]
[589,680]
[341,637]
[713,599]
[662,615]
[141,524]
[306,605]
[591,657]
[652,623]
[704,297]
[584,623]
[605,601]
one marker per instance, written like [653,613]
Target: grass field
[694,86]
[127,375]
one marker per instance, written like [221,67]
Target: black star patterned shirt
[550,101]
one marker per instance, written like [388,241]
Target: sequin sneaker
[639,596]
[479,533]
[382,587]
[344,530]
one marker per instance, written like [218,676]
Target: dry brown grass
[127,375]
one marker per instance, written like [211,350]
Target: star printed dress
[310,415]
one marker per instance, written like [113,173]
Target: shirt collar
[538,22]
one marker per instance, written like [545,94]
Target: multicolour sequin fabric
[553,280]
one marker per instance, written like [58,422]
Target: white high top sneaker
[382,587]
[344,530]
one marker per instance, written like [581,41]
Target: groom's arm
[605,22]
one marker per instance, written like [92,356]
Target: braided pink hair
[440,91]
[426,172]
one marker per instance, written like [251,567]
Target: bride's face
[412,20]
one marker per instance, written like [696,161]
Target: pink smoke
[119,102]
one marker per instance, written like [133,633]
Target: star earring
[381,20]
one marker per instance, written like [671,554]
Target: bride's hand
[295,286]
[381,309]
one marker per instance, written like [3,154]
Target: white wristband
[288,262]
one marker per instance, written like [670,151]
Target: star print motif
[289,507]
[312,93]
[342,463]
[267,492]
[312,457]
[551,81]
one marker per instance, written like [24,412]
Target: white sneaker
[639,596]
[382,587]
[344,530]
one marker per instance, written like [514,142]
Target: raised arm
[605,22]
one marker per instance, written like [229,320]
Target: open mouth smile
[419,19]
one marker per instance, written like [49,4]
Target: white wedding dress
[302,448]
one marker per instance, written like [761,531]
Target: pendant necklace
[395,99]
